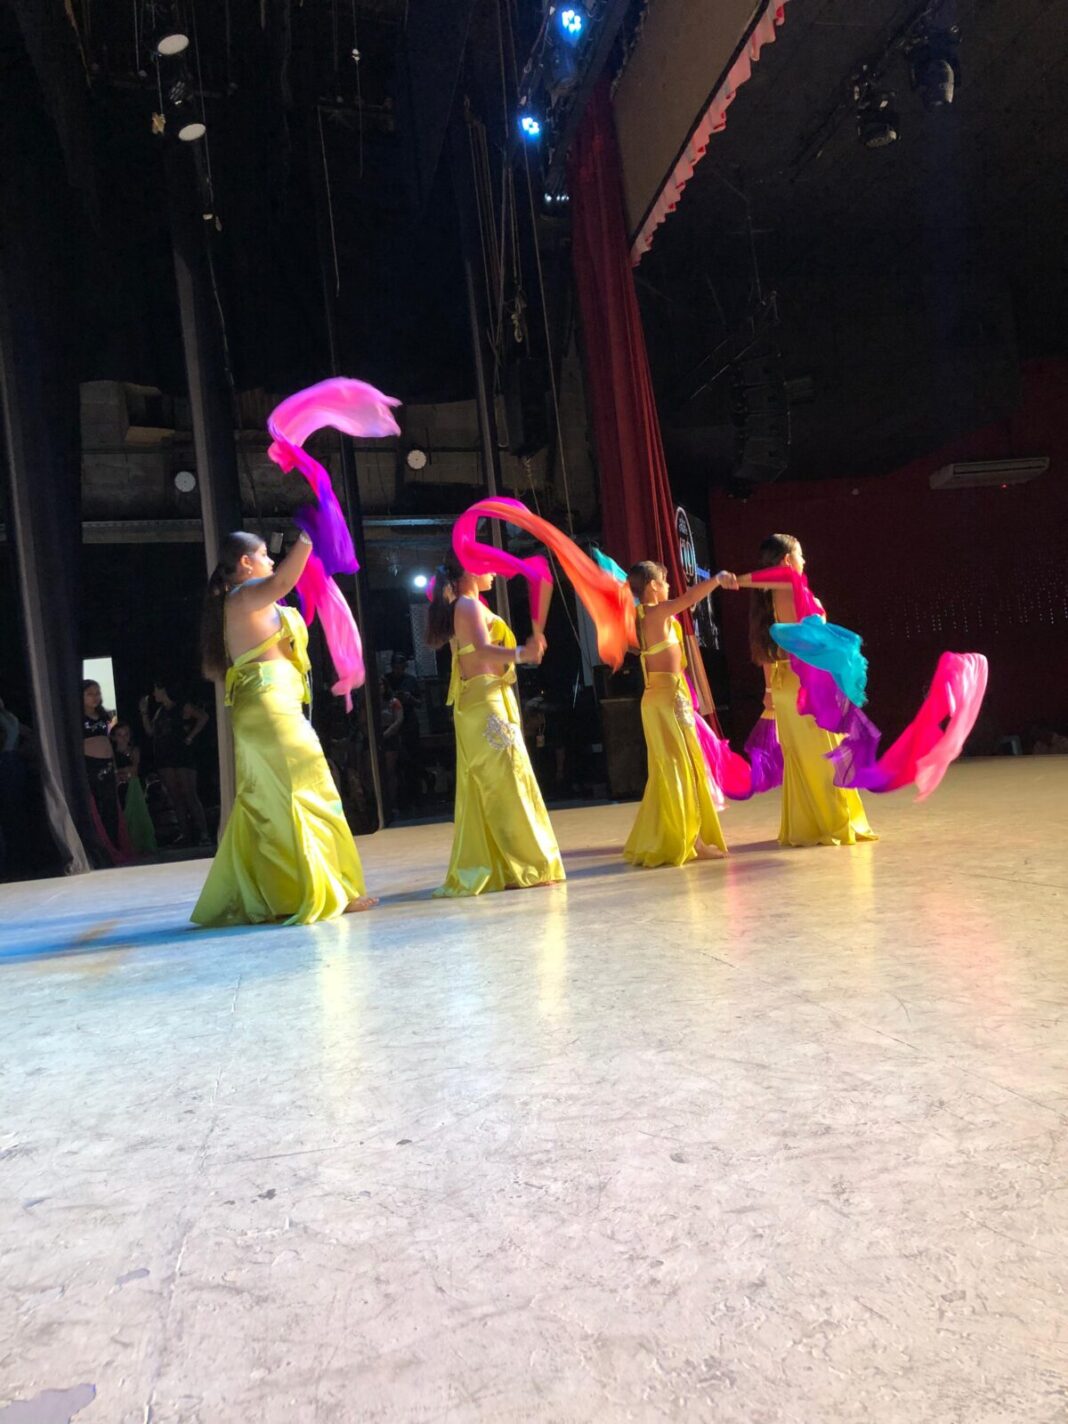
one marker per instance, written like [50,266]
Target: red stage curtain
[637,510]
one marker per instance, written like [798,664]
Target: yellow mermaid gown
[287,852]
[814,810]
[502,835]
[677,809]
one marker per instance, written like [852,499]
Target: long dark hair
[213,658]
[441,620]
[101,711]
[762,602]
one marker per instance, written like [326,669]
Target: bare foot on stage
[362,902]
[707,852]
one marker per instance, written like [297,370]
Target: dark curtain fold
[637,509]
[39,233]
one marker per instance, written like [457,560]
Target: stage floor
[779,1139]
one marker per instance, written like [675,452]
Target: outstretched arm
[694,595]
[781,587]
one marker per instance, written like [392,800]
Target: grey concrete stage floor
[781,1139]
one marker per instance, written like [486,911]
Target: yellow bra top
[292,628]
[501,635]
[673,640]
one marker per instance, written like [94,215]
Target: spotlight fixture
[416,459]
[877,121]
[420,581]
[530,126]
[185,482]
[934,66]
[172,43]
[571,22]
[189,133]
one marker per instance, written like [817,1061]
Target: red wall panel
[916,571]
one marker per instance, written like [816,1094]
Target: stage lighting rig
[172,43]
[571,22]
[933,65]
[877,120]
[572,47]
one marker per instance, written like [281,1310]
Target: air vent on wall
[975,474]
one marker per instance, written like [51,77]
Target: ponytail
[213,656]
[442,616]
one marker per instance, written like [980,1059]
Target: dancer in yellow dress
[287,852]
[814,810]
[677,820]
[502,836]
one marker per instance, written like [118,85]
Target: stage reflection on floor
[781,1139]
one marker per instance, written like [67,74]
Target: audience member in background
[407,690]
[99,756]
[173,727]
[548,751]
[1049,743]
[394,717]
[131,792]
[13,789]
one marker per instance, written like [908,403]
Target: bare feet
[707,852]
[362,902]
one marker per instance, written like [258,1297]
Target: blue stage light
[530,126]
[571,20]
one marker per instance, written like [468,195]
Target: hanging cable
[228,365]
[477,187]
[229,42]
[329,202]
[507,188]
[549,350]
[544,308]
[357,60]
[203,111]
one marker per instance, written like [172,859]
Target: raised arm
[261,593]
[471,628]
